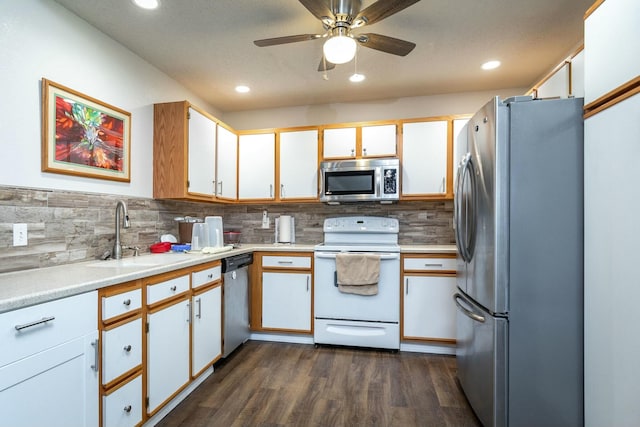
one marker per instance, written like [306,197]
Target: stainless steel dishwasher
[236,301]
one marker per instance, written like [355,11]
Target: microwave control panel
[390,177]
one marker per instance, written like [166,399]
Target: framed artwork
[83,136]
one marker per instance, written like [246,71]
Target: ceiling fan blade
[318,8]
[383,9]
[386,44]
[286,39]
[325,65]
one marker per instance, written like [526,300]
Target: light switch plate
[19,234]
[265,219]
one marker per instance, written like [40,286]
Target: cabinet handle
[281,190]
[210,276]
[433,265]
[94,344]
[173,288]
[406,286]
[220,185]
[199,302]
[270,190]
[127,348]
[34,323]
[285,262]
[443,188]
[127,302]
[308,279]
[188,313]
[127,409]
[215,186]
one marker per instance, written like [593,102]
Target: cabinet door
[227,167]
[339,142]
[424,158]
[123,407]
[56,387]
[299,164]
[202,153]
[167,353]
[557,85]
[286,301]
[577,75]
[378,141]
[429,311]
[121,350]
[611,35]
[256,166]
[207,328]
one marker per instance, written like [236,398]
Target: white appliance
[215,231]
[358,320]
[518,222]
[285,229]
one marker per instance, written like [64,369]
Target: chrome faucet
[117,246]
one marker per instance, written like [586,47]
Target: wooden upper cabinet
[256,166]
[298,165]
[425,154]
[367,140]
[185,153]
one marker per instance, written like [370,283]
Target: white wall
[389,109]
[39,38]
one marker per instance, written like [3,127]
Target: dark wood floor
[276,384]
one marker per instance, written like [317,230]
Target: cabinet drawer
[121,350]
[123,407]
[430,264]
[120,304]
[199,278]
[286,261]
[29,330]
[167,289]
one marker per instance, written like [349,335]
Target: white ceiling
[207,46]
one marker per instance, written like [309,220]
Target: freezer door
[481,355]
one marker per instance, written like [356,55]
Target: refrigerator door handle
[467,312]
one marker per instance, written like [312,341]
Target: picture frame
[83,136]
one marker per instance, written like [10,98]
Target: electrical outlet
[265,219]
[19,234]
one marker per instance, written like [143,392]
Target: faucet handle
[135,249]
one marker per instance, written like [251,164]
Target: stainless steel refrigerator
[519,232]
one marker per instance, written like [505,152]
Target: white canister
[284,228]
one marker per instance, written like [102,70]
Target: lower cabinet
[206,308]
[281,290]
[122,406]
[48,364]
[429,283]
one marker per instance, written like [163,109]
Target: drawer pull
[210,276]
[127,302]
[173,288]
[127,348]
[34,323]
[285,262]
[127,409]
[433,265]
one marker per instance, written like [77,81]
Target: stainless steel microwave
[363,180]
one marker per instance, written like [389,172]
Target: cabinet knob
[364,151]
[127,409]
[210,276]
[127,348]
[173,288]
[127,302]
[353,152]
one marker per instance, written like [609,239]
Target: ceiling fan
[339,18]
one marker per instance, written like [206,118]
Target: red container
[160,247]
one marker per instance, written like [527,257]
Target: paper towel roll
[284,227]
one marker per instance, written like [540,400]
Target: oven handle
[332,255]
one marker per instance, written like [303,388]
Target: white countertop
[23,288]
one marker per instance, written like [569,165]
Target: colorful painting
[83,136]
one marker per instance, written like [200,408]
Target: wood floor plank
[278,384]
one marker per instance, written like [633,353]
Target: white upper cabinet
[298,153]
[227,170]
[557,85]
[378,141]
[424,158]
[256,171]
[339,142]
[611,37]
[577,75]
[202,153]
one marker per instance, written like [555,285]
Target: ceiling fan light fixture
[357,78]
[146,4]
[339,49]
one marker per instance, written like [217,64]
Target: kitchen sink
[125,262]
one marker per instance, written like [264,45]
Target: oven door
[330,303]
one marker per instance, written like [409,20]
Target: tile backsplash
[67,226]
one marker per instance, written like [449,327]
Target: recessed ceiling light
[357,78]
[146,4]
[490,65]
[242,89]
